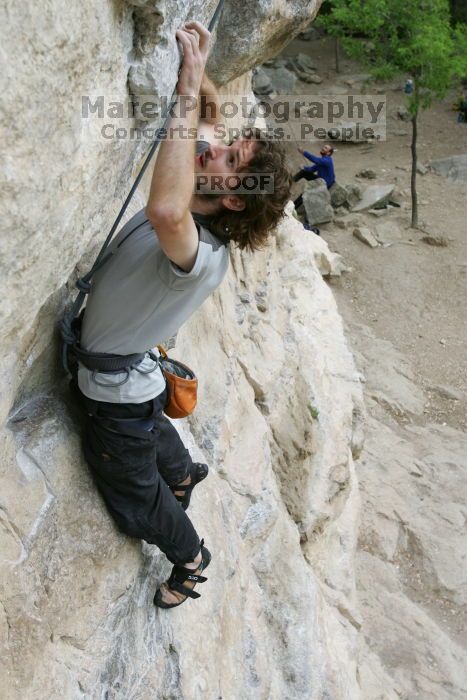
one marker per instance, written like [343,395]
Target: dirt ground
[412,294]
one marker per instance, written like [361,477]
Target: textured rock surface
[283,81]
[364,234]
[354,194]
[411,572]
[246,39]
[261,82]
[375,196]
[261,30]
[155,52]
[279,413]
[304,68]
[338,195]
[275,423]
[453,168]
[97,51]
[317,202]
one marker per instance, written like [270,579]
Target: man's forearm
[310,156]
[173,176]
[209,101]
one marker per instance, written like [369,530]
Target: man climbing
[166,261]
[323,167]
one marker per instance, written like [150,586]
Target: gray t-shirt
[138,300]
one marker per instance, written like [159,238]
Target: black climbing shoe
[198,472]
[179,575]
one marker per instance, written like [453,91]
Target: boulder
[304,68]
[341,211]
[367,173]
[317,202]
[251,33]
[338,195]
[374,197]
[387,231]
[344,197]
[454,168]
[365,235]
[246,37]
[354,195]
[282,80]
[302,62]
[275,62]
[261,82]
[310,78]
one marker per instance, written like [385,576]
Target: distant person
[408,88]
[323,167]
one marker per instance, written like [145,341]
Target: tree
[415,38]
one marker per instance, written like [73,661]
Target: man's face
[225,160]
[326,150]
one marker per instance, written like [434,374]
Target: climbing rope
[84,283]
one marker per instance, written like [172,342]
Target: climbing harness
[70,325]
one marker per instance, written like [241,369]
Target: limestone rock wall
[278,417]
[279,510]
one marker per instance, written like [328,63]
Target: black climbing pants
[307,175]
[134,463]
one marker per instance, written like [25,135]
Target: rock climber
[323,167]
[167,260]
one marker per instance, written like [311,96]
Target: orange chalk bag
[182,386]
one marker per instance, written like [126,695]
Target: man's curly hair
[250,227]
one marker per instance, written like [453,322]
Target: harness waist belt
[106,362]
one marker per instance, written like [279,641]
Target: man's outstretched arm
[173,177]
[209,102]
[310,156]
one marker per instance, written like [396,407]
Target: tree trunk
[413,182]
[336,50]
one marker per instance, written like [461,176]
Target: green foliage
[412,37]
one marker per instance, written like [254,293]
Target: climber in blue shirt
[323,167]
